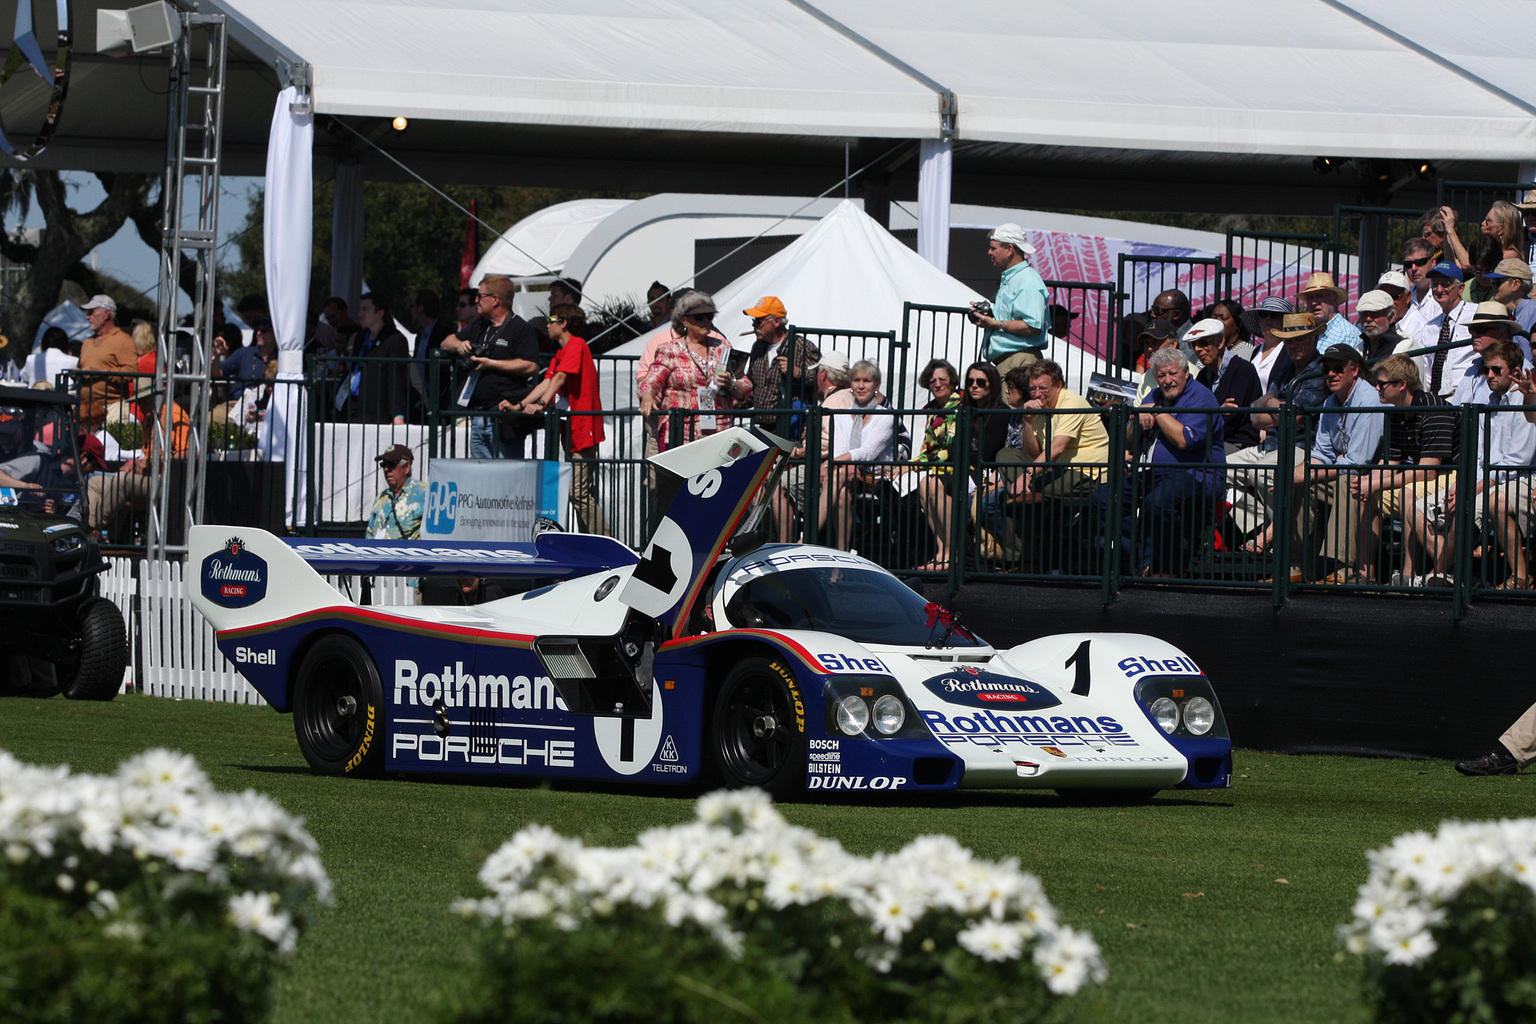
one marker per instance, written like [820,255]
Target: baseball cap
[1445,268]
[105,302]
[1374,301]
[1210,327]
[395,453]
[1512,267]
[1162,330]
[1342,353]
[1394,279]
[832,360]
[768,305]
[1013,235]
[90,444]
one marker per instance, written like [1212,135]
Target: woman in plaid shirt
[692,372]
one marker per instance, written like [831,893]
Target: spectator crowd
[1282,429]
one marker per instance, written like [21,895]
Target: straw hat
[1323,282]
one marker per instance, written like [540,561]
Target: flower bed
[145,895]
[739,915]
[1447,924]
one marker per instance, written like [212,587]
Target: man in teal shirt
[397,510]
[1016,328]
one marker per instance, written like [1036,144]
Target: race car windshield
[866,607]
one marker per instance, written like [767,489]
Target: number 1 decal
[1080,659]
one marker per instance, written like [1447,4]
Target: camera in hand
[982,307]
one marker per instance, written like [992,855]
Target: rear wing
[246,576]
[551,556]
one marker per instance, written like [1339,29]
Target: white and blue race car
[706,659]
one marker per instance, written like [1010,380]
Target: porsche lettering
[510,750]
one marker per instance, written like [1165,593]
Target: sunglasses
[1334,367]
[1495,371]
[390,464]
[707,318]
[1386,383]
[1161,310]
[1417,263]
[485,295]
[978,382]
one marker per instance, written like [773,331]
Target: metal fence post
[1284,502]
[1466,497]
[1114,503]
[960,507]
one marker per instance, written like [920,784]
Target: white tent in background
[542,242]
[849,273]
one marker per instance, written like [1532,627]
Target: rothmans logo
[978,688]
[234,576]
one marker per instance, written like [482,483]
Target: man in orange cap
[776,358]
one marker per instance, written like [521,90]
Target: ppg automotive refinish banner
[494,499]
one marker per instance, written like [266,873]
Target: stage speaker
[136,30]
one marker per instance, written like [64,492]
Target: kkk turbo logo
[234,577]
[25,51]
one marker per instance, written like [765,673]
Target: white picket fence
[174,654]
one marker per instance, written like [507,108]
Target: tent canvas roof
[846,273]
[542,242]
[1182,104]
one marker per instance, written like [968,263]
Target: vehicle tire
[338,709]
[757,734]
[103,653]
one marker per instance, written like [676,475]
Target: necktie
[1439,361]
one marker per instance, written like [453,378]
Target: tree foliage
[412,237]
[67,237]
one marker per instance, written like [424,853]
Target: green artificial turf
[1210,906]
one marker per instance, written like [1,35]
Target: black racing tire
[338,709]
[103,653]
[757,734]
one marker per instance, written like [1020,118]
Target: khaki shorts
[1517,500]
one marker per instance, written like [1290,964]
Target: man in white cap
[108,350]
[1396,284]
[1511,281]
[1377,338]
[1322,298]
[1016,327]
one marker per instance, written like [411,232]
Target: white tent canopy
[542,242]
[1295,76]
[847,273]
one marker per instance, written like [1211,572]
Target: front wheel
[338,709]
[758,728]
[103,653]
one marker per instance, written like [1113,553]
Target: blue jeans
[484,442]
[1156,540]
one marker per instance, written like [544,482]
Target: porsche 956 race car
[708,658]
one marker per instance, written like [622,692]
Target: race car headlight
[1166,714]
[890,715]
[852,715]
[1199,716]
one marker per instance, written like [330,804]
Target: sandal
[1515,583]
[933,567]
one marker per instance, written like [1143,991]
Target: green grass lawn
[1210,906]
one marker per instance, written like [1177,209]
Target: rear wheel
[338,709]
[103,653]
[758,728]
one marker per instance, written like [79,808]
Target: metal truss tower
[190,192]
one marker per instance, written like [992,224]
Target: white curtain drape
[288,224]
[933,182]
